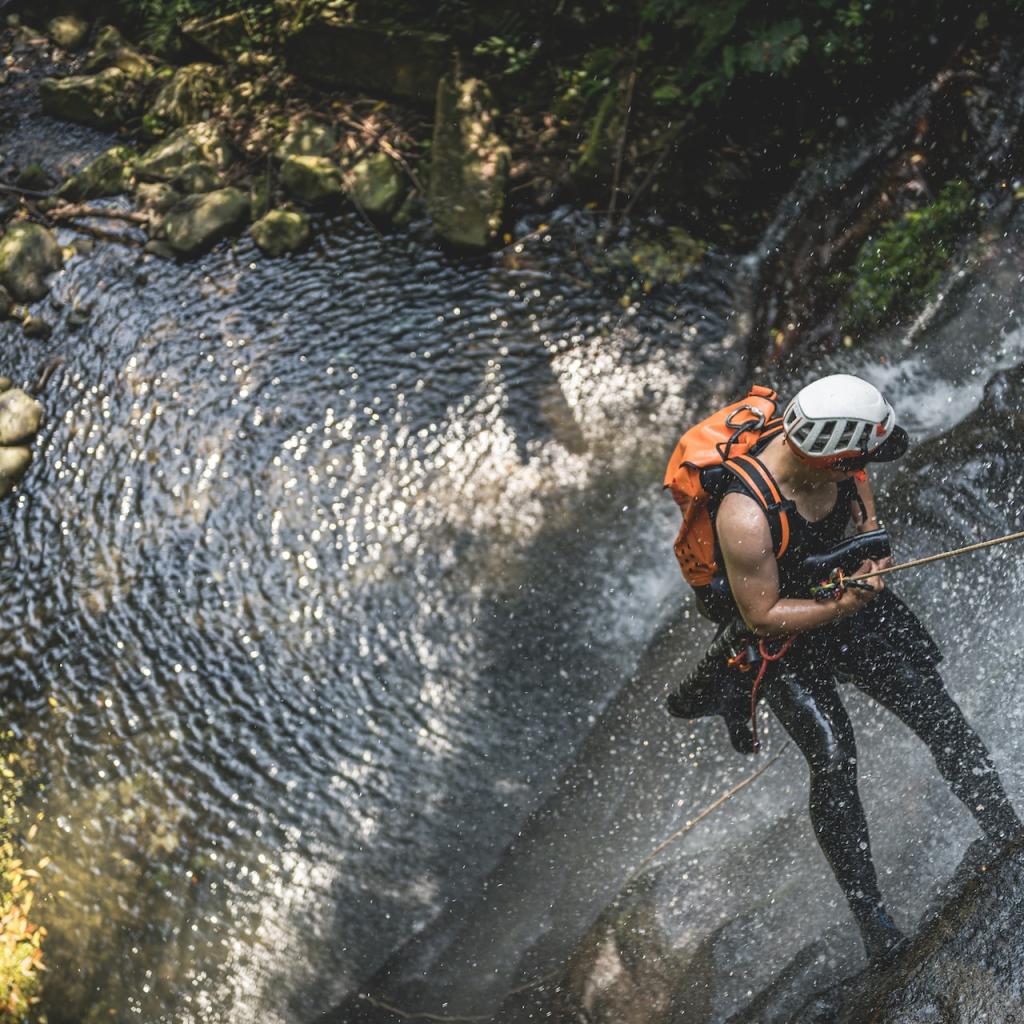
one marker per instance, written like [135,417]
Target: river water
[325,569]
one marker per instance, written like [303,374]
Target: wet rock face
[28,252]
[469,166]
[966,964]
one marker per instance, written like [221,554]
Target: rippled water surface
[313,586]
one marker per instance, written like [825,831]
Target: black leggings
[802,692]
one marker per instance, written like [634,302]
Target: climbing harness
[745,659]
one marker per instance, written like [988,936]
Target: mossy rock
[469,166]
[312,179]
[900,266]
[195,143]
[104,100]
[34,177]
[308,138]
[198,222]
[189,95]
[158,196]
[28,252]
[14,462]
[20,417]
[112,50]
[109,174]
[6,304]
[195,178]
[68,31]
[281,231]
[222,38]
[376,185]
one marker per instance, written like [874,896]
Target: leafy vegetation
[899,267]
[21,956]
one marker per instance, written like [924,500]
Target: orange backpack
[724,440]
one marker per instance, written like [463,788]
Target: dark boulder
[383,62]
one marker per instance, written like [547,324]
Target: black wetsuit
[886,652]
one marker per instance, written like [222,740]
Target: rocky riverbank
[226,130]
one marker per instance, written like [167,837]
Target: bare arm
[746,544]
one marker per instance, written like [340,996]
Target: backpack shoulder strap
[761,485]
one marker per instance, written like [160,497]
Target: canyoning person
[774,493]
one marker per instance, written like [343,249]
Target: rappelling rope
[935,558]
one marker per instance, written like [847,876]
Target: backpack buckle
[757,424]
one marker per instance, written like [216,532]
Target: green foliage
[510,56]
[899,267]
[21,957]
[156,19]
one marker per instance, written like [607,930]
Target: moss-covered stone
[189,95]
[34,326]
[222,38]
[312,179]
[28,252]
[109,174]
[308,138]
[68,31]
[14,463]
[112,50]
[197,177]
[34,177]
[667,259]
[195,143]
[899,267]
[198,222]
[376,185]
[469,166]
[281,231]
[157,197]
[103,100]
[6,303]
[20,416]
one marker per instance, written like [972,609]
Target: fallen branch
[70,210]
[30,192]
[104,236]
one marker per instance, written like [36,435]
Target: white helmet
[843,417]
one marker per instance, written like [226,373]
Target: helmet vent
[825,432]
[849,438]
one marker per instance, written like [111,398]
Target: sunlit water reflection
[314,587]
